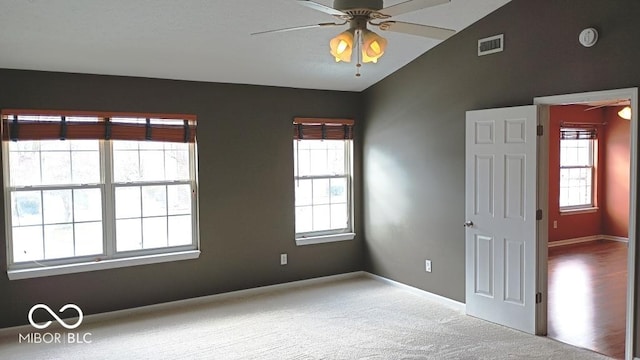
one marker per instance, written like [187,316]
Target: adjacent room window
[83,188]
[577,169]
[322,151]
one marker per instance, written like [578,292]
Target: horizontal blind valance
[51,125]
[578,134]
[322,129]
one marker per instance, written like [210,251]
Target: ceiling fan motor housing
[343,5]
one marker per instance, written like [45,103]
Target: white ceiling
[206,40]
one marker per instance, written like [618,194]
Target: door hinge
[539,130]
[538,298]
[539,214]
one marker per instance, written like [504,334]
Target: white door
[500,237]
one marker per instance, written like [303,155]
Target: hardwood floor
[587,295]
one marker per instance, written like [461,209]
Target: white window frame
[110,258]
[591,167]
[326,236]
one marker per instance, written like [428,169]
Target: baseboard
[452,304]
[587,239]
[93,318]
[615,238]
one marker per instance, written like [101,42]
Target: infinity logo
[62,309]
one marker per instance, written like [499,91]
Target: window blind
[578,134]
[322,129]
[76,125]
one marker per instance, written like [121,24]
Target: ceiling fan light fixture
[342,46]
[367,46]
[373,46]
[625,113]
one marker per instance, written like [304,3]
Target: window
[323,180]
[87,190]
[577,153]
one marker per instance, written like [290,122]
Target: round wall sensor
[588,37]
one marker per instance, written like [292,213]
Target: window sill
[324,239]
[18,274]
[585,210]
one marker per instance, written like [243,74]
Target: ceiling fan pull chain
[358,51]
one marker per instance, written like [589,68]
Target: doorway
[589,166]
[572,260]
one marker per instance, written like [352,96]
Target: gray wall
[413,149]
[246,190]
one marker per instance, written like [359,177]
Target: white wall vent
[491,45]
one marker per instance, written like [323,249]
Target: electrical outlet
[283,259]
[555,224]
[427,265]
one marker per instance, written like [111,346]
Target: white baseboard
[587,239]
[574,240]
[615,238]
[452,304]
[93,318]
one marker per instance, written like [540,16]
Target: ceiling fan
[624,113]
[367,45]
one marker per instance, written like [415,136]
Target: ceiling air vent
[491,45]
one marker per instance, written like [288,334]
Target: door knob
[468,223]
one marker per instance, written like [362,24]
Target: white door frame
[543,193]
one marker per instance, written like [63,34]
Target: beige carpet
[357,318]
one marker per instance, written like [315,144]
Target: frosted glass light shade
[625,113]
[373,46]
[342,46]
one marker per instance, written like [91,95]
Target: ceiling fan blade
[411,5]
[597,105]
[297,28]
[325,9]
[416,29]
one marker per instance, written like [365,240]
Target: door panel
[514,190]
[483,203]
[514,258]
[500,206]
[484,265]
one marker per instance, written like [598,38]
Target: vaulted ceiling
[206,40]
